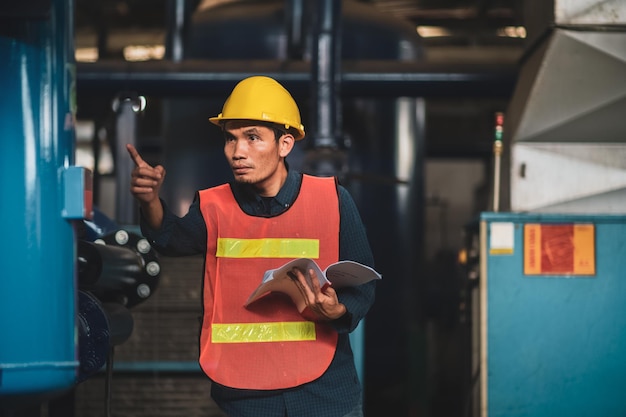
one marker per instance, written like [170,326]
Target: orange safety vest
[268,345]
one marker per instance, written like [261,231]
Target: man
[267,359]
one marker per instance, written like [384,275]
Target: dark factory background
[457,126]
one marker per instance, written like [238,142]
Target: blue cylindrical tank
[38,352]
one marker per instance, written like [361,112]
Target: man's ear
[285,144]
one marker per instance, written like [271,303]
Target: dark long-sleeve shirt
[338,390]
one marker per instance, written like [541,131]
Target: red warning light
[499,119]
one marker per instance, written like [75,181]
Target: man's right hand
[145,184]
[146,180]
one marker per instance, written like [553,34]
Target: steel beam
[358,78]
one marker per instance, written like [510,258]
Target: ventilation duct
[566,118]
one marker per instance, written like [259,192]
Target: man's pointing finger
[135,155]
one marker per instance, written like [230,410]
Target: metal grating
[167,325]
[165,331]
[148,396]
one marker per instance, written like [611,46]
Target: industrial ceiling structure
[454,32]
[469,23]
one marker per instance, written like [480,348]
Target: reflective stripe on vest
[268,345]
[267,248]
[263,332]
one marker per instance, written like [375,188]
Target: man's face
[255,156]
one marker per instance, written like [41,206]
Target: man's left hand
[321,302]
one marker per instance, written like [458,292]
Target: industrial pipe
[120,267]
[326,75]
[363,78]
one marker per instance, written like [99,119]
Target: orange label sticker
[559,249]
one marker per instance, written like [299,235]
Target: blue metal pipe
[38,352]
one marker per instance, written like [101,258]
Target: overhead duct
[565,120]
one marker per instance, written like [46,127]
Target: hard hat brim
[297,132]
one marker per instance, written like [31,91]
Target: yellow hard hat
[264,99]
